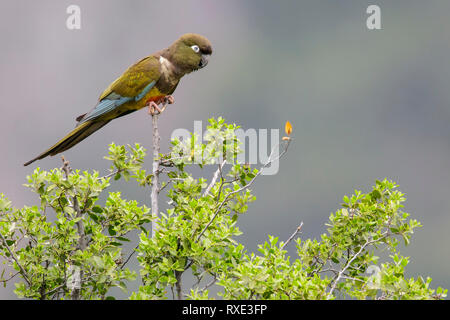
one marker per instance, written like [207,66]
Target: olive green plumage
[149,80]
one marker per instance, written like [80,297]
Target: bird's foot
[153,108]
[169,99]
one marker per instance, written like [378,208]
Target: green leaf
[122,286]
[111,231]
[93,216]
[376,194]
[97,209]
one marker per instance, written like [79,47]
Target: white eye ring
[195,48]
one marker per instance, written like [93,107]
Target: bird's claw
[152,108]
[169,99]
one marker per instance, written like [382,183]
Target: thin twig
[110,174]
[54,290]
[299,228]
[6,280]
[209,284]
[269,161]
[341,273]
[165,185]
[214,178]
[354,279]
[22,270]
[327,270]
[129,257]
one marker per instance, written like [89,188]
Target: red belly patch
[156,99]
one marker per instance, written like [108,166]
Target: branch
[129,257]
[155,165]
[12,276]
[22,270]
[293,235]
[178,284]
[113,173]
[210,283]
[269,161]
[155,170]
[214,178]
[82,243]
[341,273]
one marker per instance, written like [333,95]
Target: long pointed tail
[78,134]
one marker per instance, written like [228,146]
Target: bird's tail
[78,134]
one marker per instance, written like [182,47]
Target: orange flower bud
[288,128]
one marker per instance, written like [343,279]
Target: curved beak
[203,61]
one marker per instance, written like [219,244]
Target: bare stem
[299,228]
[22,270]
[209,283]
[12,276]
[82,241]
[129,257]
[110,174]
[155,167]
[155,178]
[178,284]
[214,178]
[341,273]
[269,161]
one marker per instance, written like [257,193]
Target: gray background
[364,104]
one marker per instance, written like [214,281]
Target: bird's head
[190,52]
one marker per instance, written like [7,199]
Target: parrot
[149,82]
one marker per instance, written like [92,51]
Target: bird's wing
[133,84]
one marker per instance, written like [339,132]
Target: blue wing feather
[145,91]
[112,101]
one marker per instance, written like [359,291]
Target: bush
[71,247]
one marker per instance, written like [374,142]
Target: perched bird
[148,82]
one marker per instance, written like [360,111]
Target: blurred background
[364,104]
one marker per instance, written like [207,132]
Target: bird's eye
[195,48]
